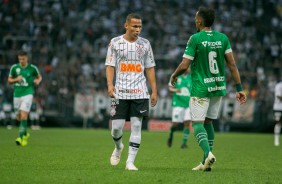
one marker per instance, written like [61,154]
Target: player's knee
[116,133]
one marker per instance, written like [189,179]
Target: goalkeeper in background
[180,107]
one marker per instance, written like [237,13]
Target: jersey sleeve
[111,55]
[149,58]
[190,49]
[36,71]
[12,72]
[227,45]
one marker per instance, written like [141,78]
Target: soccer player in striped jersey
[24,76]
[277,109]
[180,107]
[207,51]
[128,56]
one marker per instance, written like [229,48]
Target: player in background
[128,57]
[277,108]
[180,107]
[24,76]
[206,51]
[35,114]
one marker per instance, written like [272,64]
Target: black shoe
[169,142]
[184,146]
[208,169]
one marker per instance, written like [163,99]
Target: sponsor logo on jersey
[214,79]
[132,91]
[130,67]
[216,44]
[216,88]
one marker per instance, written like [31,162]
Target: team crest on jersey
[18,70]
[140,49]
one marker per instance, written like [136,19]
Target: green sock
[186,133]
[201,137]
[210,131]
[172,129]
[23,126]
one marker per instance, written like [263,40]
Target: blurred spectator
[68,39]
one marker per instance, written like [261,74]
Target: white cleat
[130,166]
[198,168]
[115,158]
[210,160]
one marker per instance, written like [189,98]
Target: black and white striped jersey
[130,60]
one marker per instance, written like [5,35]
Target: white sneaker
[130,166]
[198,168]
[115,158]
[276,144]
[210,160]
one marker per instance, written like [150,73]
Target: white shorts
[23,103]
[180,114]
[205,107]
[34,116]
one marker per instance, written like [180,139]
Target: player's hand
[154,99]
[172,80]
[241,97]
[36,81]
[111,91]
[19,78]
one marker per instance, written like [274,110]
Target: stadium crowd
[67,40]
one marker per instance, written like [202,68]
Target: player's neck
[24,65]
[206,29]
[129,38]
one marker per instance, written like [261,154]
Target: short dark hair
[22,53]
[132,16]
[208,15]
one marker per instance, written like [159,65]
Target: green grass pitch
[82,156]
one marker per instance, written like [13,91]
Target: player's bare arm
[12,80]
[240,95]
[110,70]
[182,67]
[173,89]
[37,80]
[150,72]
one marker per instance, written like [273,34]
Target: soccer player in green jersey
[180,107]
[24,76]
[207,51]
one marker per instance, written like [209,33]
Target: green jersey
[207,49]
[26,86]
[182,99]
